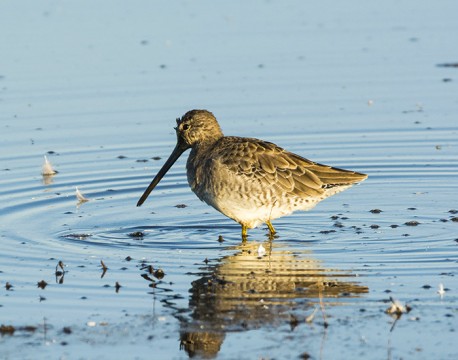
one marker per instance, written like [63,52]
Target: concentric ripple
[399,224]
[418,175]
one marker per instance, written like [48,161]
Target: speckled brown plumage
[249,180]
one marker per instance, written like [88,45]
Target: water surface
[96,89]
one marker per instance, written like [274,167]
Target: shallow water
[97,93]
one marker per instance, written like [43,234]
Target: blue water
[96,87]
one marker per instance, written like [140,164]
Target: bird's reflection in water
[249,289]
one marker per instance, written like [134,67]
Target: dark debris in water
[375,211]
[325,232]
[181,206]
[136,235]
[42,284]
[7,329]
[448,65]
[159,274]
[412,223]
[77,236]
[305,356]
[10,329]
[104,269]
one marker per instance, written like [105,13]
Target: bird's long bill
[176,153]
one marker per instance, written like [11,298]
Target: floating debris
[47,169]
[8,286]
[117,287]
[104,268]
[42,284]
[375,211]
[148,268]
[7,330]
[77,236]
[10,329]
[60,265]
[309,319]
[448,65]
[412,223]
[293,321]
[397,308]
[136,235]
[326,232]
[60,274]
[181,206]
[159,274]
[441,290]
[81,198]
[147,277]
[261,251]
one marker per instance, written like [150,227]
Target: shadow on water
[248,290]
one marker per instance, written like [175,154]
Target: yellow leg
[244,232]
[271,228]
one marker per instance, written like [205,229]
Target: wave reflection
[245,291]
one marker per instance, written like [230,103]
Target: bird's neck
[200,151]
[204,146]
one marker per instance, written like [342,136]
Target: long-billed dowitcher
[250,181]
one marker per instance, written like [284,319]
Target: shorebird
[249,180]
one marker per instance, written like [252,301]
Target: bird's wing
[271,166]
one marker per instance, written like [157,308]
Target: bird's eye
[186,126]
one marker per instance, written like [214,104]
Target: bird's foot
[272,232]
